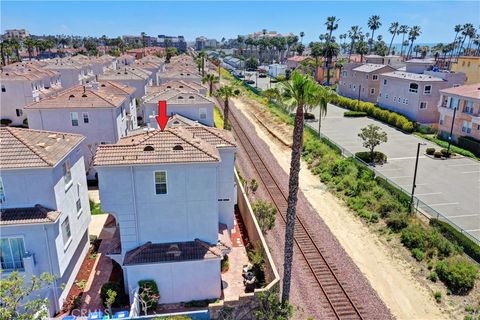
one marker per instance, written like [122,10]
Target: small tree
[251,63]
[210,79]
[111,296]
[265,213]
[372,137]
[17,297]
[270,307]
[148,295]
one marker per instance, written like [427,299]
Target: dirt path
[389,274]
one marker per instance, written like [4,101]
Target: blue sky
[228,19]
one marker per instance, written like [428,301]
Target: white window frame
[450,104]
[429,92]
[155,182]
[385,82]
[420,105]
[372,90]
[63,227]
[85,116]
[468,108]
[74,119]
[442,119]
[19,112]
[11,253]
[78,202]
[202,112]
[413,90]
[467,126]
[67,174]
[3,198]
[375,77]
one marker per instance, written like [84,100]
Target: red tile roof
[37,214]
[467,91]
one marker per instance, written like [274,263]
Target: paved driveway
[450,187]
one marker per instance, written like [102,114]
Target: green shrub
[149,292]
[225,264]
[433,276]
[114,286]
[457,273]
[444,144]
[397,221]
[418,254]
[460,239]
[413,236]
[438,296]
[198,303]
[5,122]
[446,153]
[430,151]
[366,156]
[437,154]
[354,114]
[368,215]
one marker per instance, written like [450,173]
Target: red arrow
[162,117]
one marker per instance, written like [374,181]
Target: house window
[19,112]
[67,174]
[403,100]
[467,127]
[375,77]
[12,251]
[344,73]
[386,96]
[202,112]
[85,117]
[2,192]
[427,89]
[4,89]
[66,232]
[454,103]
[413,87]
[468,107]
[74,118]
[366,76]
[406,101]
[442,119]
[372,90]
[395,99]
[384,82]
[78,202]
[161,182]
[423,105]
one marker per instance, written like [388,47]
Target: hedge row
[374,111]
[468,245]
[354,114]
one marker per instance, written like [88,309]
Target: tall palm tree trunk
[292,202]
[401,48]
[225,114]
[453,50]
[351,50]
[391,42]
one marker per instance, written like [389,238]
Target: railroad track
[338,299]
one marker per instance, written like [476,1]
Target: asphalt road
[450,187]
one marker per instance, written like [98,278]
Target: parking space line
[443,204]
[428,194]
[464,215]
[398,177]
[462,164]
[470,172]
[405,158]
[472,230]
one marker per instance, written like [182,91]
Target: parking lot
[450,187]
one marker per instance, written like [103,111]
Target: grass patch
[217,118]
[444,144]
[95,208]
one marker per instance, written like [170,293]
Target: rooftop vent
[191,97]
[148,148]
[103,85]
[177,147]
[168,87]
[71,96]
[84,95]
[180,98]
[180,86]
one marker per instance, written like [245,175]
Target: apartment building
[102,111]
[177,42]
[470,65]
[466,100]
[178,72]
[171,192]
[125,60]
[100,64]
[416,95]
[152,65]
[16,34]
[183,101]
[72,72]
[187,86]
[202,43]
[362,80]
[131,76]
[22,84]
[45,210]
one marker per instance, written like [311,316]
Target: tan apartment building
[470,66]
[362,80]
[466,99]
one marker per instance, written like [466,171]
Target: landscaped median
[376,201]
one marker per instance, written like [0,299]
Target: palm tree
[302,34]
[354,34]
[300,48]
[373,24]
[331,26]
[415,31]
[361,48]
[202,55]
[143,35]
[403,30]
[210,79]
[300,91]
[330,49]
[458,28]
[316,51]
[30,44]
[324,98]
[394,31]
[225,93]
[467,31]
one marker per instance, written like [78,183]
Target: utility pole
[359,87]
[415,176]
[451,131]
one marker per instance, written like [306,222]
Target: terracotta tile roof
[175,251]
[27,148]
[467,91]
[174,145]
[175,96]
[297,58]
[107,94]
[37,214]
[216,137]
[126,73]
[179,120]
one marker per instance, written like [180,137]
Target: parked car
[249,82]
[251,69]
[240,75]
[262,75]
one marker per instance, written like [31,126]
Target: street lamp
[451,131]
[415,174]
